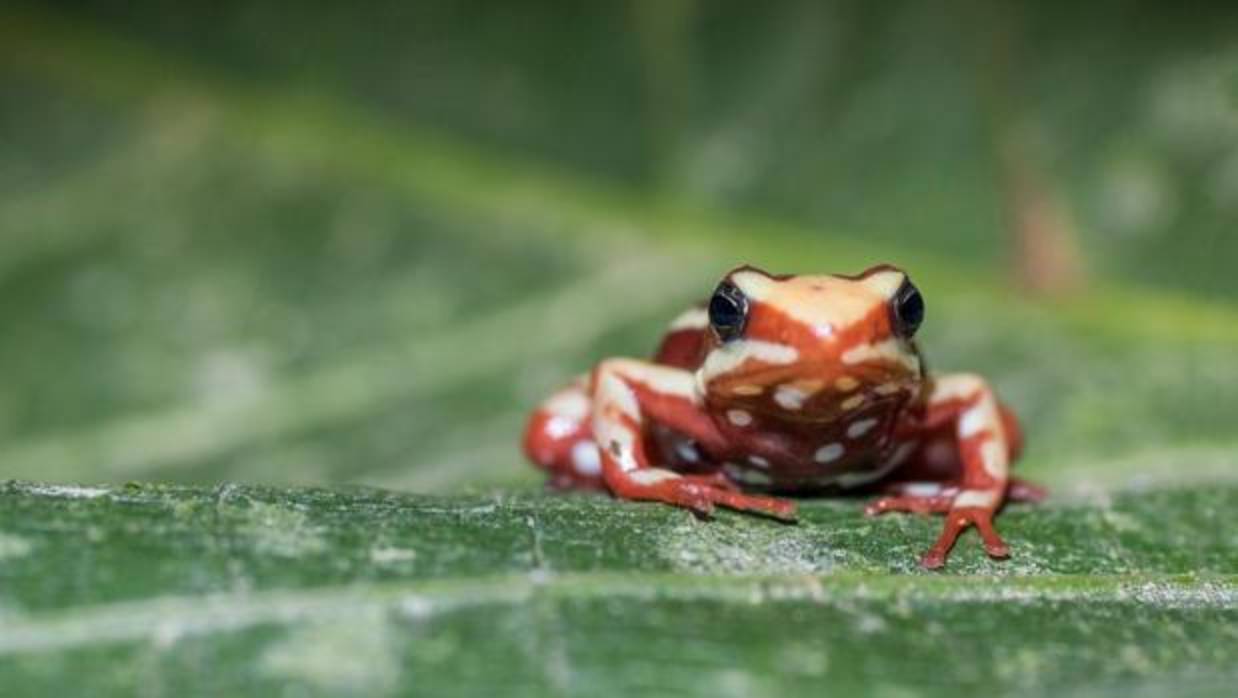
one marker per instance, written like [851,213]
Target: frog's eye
[728,311]
[908,309]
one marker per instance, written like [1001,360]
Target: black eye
[908,307]
[728,311]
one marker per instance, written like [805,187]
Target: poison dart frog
[790,384]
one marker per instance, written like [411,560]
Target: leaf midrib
[179,616]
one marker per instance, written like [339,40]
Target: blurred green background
[314,243]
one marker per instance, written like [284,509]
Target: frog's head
[812,348]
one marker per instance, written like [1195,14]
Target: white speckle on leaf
[281,530]
[337,657]
[715,547]
[70,491]
[385,555]
[231,376]
[12,546]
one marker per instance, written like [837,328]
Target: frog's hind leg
[985,438]
[559,440]
[629,392]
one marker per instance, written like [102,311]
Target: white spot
[586,458]
[846,384]
[758,461]
[978,418]
[922,489]
[651,476]
[853,402]
[694,319]
[739,418]
[957,386]
[687,451]
[571,403]
[746,476]
[985,499]
[888,388]
[748,390]
[860,428]
[561,427]
[829,453]
[790,397]
[973,422]
[903,452]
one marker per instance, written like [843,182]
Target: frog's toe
[781,509]
[933,560]
[957,521]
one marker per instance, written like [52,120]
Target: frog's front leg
[986,440]
[627,395]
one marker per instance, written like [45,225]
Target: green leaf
[384,293]
[241,590]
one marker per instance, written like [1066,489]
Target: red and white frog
[790,384]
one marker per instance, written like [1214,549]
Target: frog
[791,385]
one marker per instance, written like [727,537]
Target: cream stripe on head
[823,303]
[892,349]
[732,355]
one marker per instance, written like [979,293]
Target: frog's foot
[690,492]
[957,520]
[986,436]
[626,394]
